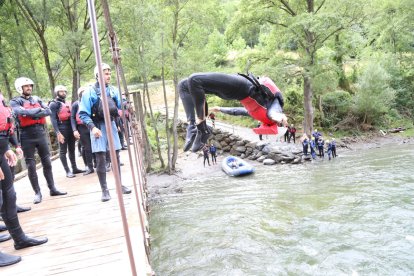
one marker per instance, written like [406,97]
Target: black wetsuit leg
[225,86]
[66,131]
[187,101]
[86,143]
[8,208]
[29,141]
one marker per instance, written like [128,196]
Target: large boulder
[269,161]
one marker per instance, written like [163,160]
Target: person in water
[260,97]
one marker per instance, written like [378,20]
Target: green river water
[350,216]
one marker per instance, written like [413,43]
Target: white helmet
[20,82]
[104,67]
[60,88]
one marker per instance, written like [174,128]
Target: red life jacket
[257,110]
[6,122]
[78,119]
[26,121]
[64,111]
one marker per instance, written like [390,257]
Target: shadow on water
[351,215]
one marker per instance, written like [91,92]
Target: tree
[309,24]
[37,18]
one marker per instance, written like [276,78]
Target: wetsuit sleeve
[54,109]
[19,110]
[85,108]
[44,111]
[116,97]
[279,97]
[75,108]
[13,140]
[235,111]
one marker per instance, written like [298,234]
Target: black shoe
[38,198]
[56,192]
[124,147]
[4,237]
[28,242]
[105,195]
[88,171]
[3,228]
[203,133]
[69,174]
[190,136]
[125,190]
[6,259]
[121,164]
[23,209]
[76,171]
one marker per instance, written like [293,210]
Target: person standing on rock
[60,117]
[305,145]
[292,133]
[260,97]
[321,144]
[31,118]
[205,154]
[312,146]
[333,144]
[287,135]
[91,114]
[213,152]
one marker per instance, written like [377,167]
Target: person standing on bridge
[60,117]
[91,114]
[260,97]
[8,205]
[81,131]
[31,118]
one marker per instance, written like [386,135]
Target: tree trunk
[343,81]
[307,105]
[4,72]
[154,123]
[45,52]
[167,116]
[27,53]
[141,118]
[175,83]
[175,118]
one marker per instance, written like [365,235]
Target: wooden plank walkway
[85,235]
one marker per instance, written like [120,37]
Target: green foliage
[216,48]
[335,107]
[374,95]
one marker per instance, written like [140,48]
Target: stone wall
[263,151]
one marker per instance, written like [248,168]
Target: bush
[335,106]
[374,95]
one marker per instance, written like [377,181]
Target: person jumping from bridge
[260,97]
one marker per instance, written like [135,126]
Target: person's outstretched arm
[234,111]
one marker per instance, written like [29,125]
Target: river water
[350,216]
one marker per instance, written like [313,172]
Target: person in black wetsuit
[31,116]
[8,205]
[205,154]
[60,117]
[81,131]
[260,97]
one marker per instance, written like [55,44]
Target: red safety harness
[6,122]
[26,121]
